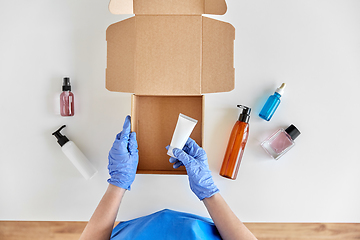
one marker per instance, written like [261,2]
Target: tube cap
[62,139]
[293,132]
[66,84]
[245,114]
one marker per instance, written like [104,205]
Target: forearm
[227,223]
[102,221]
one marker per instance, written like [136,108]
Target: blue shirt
[167,224]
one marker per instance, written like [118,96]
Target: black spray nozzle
[245,114]
[62,139]
[66,84]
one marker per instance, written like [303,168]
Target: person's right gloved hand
[195,161]
[123,158]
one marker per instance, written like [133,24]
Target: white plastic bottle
[75,155]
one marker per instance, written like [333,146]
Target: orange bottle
[236,145]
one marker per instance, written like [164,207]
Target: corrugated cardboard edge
[215,7]
[133,113]
[161,172]
[203,122]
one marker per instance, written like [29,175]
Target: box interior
[154,119]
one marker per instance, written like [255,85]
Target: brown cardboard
[168,55]
[154,119]
[164,7]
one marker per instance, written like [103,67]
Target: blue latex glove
[123,158]
[195,161]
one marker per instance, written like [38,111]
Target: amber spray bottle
[236,145]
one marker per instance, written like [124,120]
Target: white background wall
[312,45]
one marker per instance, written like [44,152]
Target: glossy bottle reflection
[236,145]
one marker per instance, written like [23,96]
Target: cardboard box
[168,55]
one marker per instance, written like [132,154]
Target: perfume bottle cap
[293,132]
[61,138]
[66,84]
[280,90]
[245,114]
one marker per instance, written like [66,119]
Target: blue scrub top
[167,224]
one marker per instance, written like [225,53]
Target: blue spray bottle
[272,103]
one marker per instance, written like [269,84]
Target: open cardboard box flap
[170,54]
[196,7]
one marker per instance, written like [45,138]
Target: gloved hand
[123,158]
[195,161]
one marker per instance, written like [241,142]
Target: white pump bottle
[75,155]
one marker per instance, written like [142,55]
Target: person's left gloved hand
[123,158]
[194,158]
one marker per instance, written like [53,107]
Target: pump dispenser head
[245,114]
[61,138]
[66,84]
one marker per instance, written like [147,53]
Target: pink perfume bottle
[281,141]
[66,99]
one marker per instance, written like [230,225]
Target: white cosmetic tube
[185,125]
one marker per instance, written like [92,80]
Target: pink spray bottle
[66,99]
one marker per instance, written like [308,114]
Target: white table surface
[312,45]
